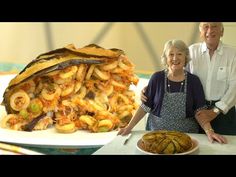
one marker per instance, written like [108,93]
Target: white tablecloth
[116,147]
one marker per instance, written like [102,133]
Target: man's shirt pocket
[222,73]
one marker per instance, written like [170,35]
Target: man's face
[211,32]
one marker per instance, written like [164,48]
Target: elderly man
[215,64]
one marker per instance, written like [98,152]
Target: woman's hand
[124,131]
[143,97]
[212,136]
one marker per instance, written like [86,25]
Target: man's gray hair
[179,44]
[220,23]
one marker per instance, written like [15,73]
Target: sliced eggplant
[57,60]
[30,126]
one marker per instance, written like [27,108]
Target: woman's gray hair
[179,44]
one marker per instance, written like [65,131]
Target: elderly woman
[174,96]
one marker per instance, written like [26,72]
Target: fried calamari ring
[80,75]
[67,88]
[13,122]
[113,101]
[103,75]
[19,100]
[104,115]
[123,99]
[101,97]
[118,84]
[82,92]
[109,66]
[98,106]
[59,81]
[105,125]
[108,90]
[117,70]
[77,86]
[68,72]
[51,91]
[125,64]
[66,128]
[5,119]
[90,72]
[88,120]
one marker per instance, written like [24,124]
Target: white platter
[51,138]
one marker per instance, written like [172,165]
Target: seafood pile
[72,89]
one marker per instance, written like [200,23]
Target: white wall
[22,42]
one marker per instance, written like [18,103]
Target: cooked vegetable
[24,114]
[19,100]
[30,126]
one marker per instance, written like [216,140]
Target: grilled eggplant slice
[57,60]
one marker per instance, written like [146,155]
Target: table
[116,147]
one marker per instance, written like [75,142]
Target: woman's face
[175,59]
[211,32]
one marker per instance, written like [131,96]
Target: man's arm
[229,99]
[142,96]
[205,116]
